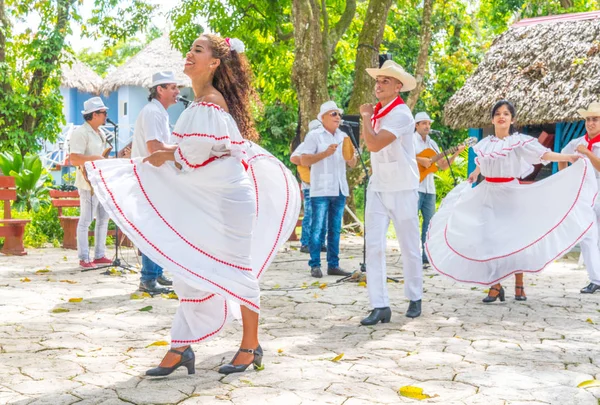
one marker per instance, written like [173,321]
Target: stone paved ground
[459,351]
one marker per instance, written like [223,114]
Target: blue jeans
[427,209]
[307,221]
[150,270]
[326,212]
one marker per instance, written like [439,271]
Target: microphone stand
[116,260]
[363,265]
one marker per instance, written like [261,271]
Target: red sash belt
[499,179]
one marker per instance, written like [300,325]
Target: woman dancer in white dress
[484,234]
[193,208]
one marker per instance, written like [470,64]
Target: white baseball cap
[93,104]
[164,77]
[422,116]
[326,107]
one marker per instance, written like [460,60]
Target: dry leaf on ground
[75,299]
[589,384]
[338,357]
[159,343]
[59,310]
[410,391]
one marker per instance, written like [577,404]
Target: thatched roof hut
[78,75]
[548,67]
[158,55]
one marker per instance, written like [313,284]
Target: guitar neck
[441,155]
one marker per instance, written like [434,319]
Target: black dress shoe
[337,271]
[188,360]
[152,287]
[316,272]
[304,249]
[324,248]
[378,314]
[257,361]
[164,280]
[414,309]
[590,288]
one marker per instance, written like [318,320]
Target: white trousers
[401,208]
[90,208]
[201,315]
[591,251]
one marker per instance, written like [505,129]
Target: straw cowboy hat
[592,111]
[392,69]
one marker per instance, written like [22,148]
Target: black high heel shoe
[257,362]
[520,297]
[500,295]
[188,360]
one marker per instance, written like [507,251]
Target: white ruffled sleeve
[531,151]
[204,133]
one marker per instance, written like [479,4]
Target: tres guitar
[434,156]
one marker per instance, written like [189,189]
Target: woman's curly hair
[233,79]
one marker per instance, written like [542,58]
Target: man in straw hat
[152,133]
[427,193]
[87,144]
[321,150]
[589,146]
[392,191]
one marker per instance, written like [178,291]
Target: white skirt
[484,234]
[217,227]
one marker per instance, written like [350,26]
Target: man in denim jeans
[153,133]
[307,219]
[427,194]
[321,150]
[87,144]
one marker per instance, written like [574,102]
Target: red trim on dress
[207,335]
[512,272]
[215,137]
[197,301]
[508,149]
[195,166]
[205,104]
[255,185]
[178,234]
[133,227]
[528,246]
[499,179]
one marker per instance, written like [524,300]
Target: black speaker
[383,57]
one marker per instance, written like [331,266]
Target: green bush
[31,179]
[44,228]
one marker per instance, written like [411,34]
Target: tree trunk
[4,29]
[367,54]
[566,3]
[314,46]
[421,67]
[48,63]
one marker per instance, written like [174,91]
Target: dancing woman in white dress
[484,234]
[194,207]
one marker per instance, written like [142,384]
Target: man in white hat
[589,146]
[152,133]
[321,150]
[392,194]
[86,144]
[295,158]
[427,193]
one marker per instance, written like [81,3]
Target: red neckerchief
[377,114]
[591,142]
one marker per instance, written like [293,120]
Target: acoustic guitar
[105,154]
[434,156]
[347,153]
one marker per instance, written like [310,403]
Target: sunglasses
[101,112]
[335,114]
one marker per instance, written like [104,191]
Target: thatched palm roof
[138,71]
[548,67]
[78,75]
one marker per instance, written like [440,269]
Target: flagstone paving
[460,351]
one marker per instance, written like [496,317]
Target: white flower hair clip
[236,45]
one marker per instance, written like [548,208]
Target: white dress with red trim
[216,224]
[500,227]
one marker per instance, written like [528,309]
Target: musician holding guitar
[87,144]
[427,159]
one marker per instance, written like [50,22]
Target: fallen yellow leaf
[323,286]
[589,384]
[362,284]
[59,310]
[42,271]
[68,281]
[65,258]
[134,296]
[159,343]
[303,285]
[413,392]
[589,320]
[315,295]
[279,351]
[146,295]
[25,280]
[75,299]
[338,357]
